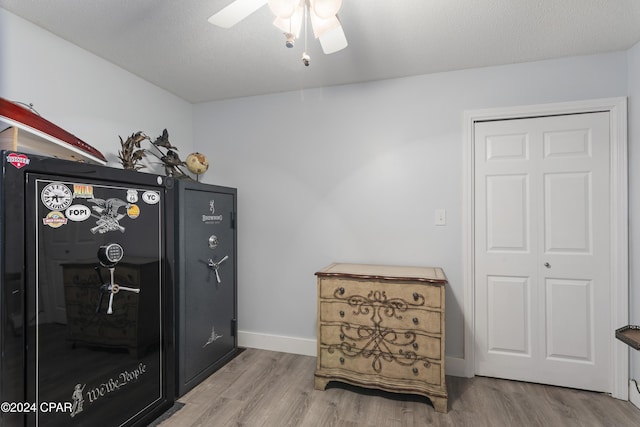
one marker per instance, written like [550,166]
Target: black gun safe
[87,305]
[206,242]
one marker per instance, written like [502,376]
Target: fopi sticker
[78,213]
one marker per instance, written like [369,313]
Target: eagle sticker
[108,214]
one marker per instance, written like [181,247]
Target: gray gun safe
[206,249]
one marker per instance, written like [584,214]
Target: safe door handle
[215,265]
[114,288]
[111,288]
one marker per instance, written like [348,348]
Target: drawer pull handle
[341,337]
[341,290]
[415,296]
[415,345]
[342,360]
[415,320]
[341,313]
[415,371]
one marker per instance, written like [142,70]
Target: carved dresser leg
[320,383]
[440,404]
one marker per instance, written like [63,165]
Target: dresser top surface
[384,272]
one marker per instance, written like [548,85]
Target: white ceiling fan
[290,17]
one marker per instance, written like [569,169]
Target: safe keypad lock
[109,255]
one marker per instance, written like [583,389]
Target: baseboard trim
[307,347]
[634,395]
[284,344]
[456,366]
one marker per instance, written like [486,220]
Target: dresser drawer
[398,368]
[367,338]
[412,294]
[387,316]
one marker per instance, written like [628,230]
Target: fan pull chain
[305,56]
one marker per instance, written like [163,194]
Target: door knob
[546,264]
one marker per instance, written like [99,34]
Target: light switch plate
[441,217]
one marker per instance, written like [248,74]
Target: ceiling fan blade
[236,12]
[322,26]
[333,41]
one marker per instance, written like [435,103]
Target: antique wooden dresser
[383,327]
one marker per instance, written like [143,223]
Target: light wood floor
[264,388]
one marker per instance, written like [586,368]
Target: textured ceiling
[171,44]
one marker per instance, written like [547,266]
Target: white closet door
[542,250]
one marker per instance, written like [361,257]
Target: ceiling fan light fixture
[291,25]
[284,9]
[291,40]
[325,8]
[290,16]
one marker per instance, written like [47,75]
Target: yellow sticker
[83,191]
[133,211]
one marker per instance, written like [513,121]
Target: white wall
[84,94]
[354,174]
[634,198]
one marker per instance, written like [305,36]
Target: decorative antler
[131,153]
